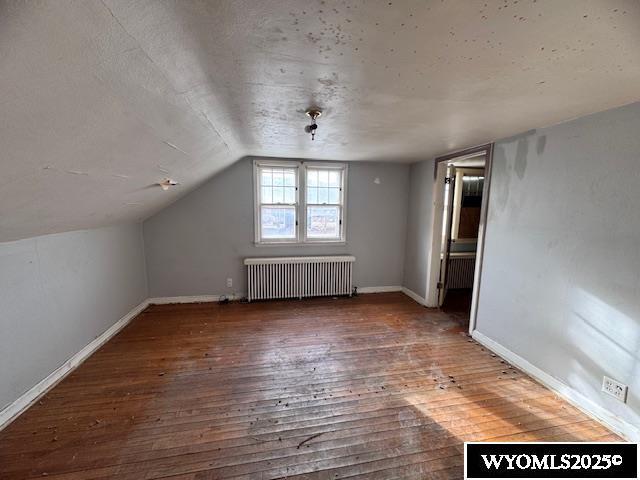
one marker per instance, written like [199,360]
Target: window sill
[337,243]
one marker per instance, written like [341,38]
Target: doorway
[461,198]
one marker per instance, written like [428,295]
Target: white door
[446,237]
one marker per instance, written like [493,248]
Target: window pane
[312,178]
[289,178]
[334,178]
[323,195]
[334,195]
[266,195]
[312,195]
[278,222]
[278,177]
[266,177]
[323,178]
[278,193]
[323,222]
[289,194]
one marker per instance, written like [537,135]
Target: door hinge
[439,285]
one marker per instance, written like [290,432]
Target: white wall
[561,273]
[195,244]
[59,292]
[419,227]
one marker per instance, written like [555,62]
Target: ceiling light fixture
[313,113]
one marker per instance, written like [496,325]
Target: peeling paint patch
[327,82]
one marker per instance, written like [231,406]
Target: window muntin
[299,203]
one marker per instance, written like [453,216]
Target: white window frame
[301,202]
[257,164]
[342,167]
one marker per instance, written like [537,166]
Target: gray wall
[59,292]
[419,227]
[561,273]
[195,244]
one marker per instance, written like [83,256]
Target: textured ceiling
[101,99]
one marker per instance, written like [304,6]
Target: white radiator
[461,271]
[297,277]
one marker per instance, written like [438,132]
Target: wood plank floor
[373,387]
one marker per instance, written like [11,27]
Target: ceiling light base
[313,113]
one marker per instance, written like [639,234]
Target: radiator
[298,277]
[460,271]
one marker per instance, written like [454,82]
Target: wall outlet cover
[229,282]
[615,388]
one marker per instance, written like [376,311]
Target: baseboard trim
[216,298]
[382,289]
[593,410]
[22,403]
[192,299]
[414,296]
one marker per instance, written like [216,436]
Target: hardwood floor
[373,387]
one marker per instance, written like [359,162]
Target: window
[324,203]
[298,202]
[278,203]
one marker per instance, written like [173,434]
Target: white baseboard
[383,289]
[192,299]
[215,298]
[413,295]
[13,410]
[578,400]
[22,403]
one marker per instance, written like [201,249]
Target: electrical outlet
[229,282]
[615,389]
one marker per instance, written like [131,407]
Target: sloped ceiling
[102,99]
